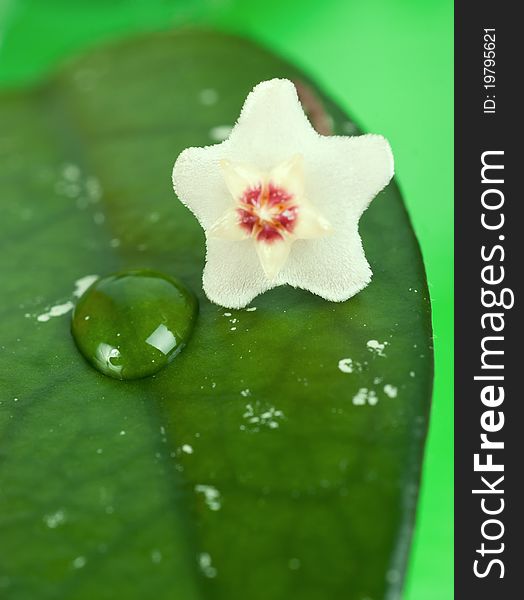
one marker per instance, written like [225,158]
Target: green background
[390,63]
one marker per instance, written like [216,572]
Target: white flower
[280,204]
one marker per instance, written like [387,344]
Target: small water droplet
[390,390]
[294,564]
[208,97]
[140,320]
[206,566]
[79,562]
[220,132]
[211,495]
[55,519]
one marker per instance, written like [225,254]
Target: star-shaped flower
[280,203]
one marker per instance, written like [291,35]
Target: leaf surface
[255,466]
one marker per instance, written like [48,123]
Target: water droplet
[208,97]
[138,322]
[206,566]
[79,562]
[156,556]
[294,564]
[55,519]
[390,390]
[211,495]
[220,132]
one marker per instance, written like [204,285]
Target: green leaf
[248,468]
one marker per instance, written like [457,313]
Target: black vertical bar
[489,244]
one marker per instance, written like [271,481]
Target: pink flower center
[267,212]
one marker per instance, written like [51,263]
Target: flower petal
[333,267]
[233,275]
[228,228]
[273,256]
[343,175]
[272,126]
[311,224]
[200,185]
[290,175]
[239,177]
